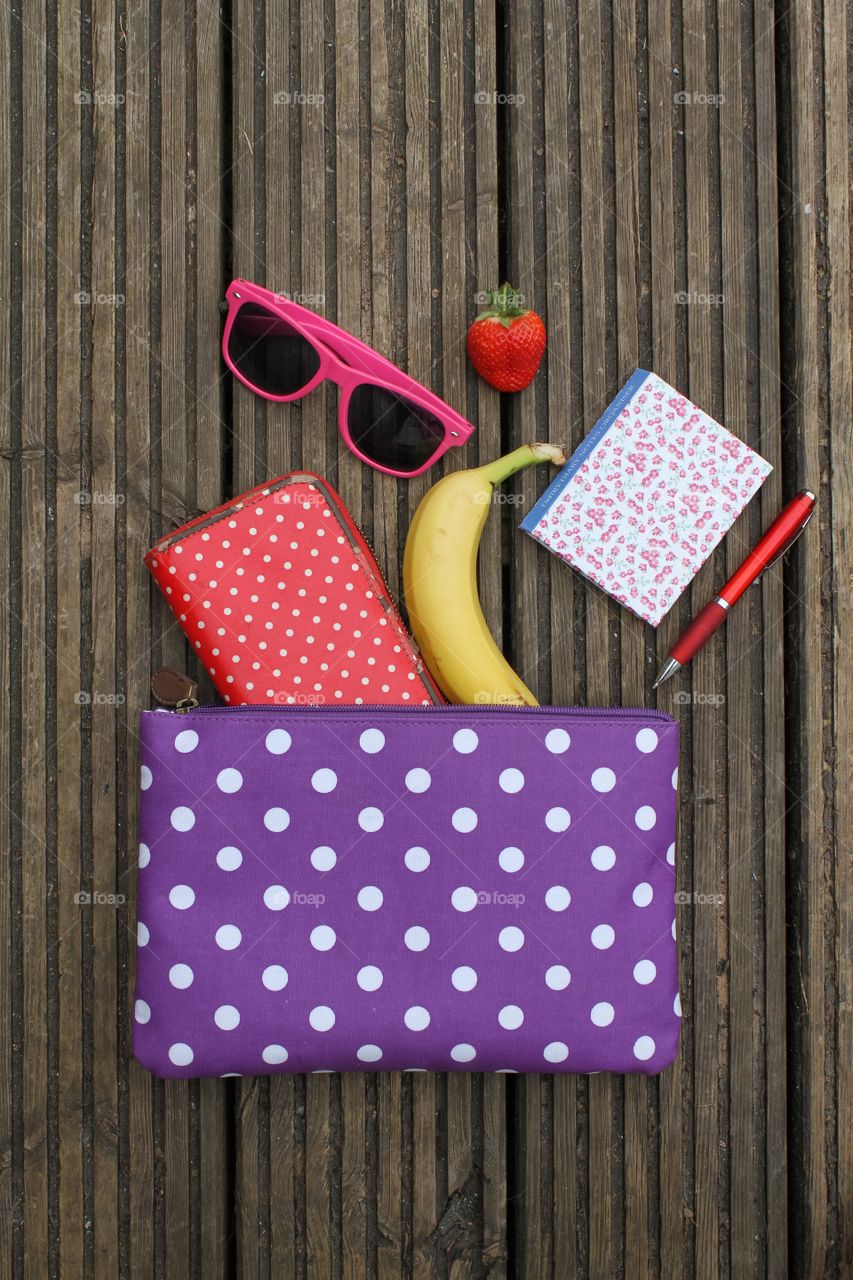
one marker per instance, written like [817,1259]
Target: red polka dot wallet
[281,597]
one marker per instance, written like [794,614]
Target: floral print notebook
[647,496]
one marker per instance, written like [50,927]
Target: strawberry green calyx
[504,305]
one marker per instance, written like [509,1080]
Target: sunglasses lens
[269,353]
[391,430]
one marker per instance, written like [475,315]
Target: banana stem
[529,454]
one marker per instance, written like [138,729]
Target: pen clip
[783,550]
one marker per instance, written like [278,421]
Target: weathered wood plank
[142,1167]
[29,843]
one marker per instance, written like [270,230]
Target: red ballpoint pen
[784,530]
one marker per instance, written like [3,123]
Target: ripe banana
[440,582]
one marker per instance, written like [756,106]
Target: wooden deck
[385,162]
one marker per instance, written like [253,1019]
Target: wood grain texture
[669,185]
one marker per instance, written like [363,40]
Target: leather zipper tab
[174,688]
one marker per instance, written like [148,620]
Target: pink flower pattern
[644,511]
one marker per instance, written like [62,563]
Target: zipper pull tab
[174,688]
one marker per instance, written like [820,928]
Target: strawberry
[506,341]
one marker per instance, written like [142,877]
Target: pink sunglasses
[282,351]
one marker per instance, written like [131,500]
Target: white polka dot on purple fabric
[645,817]
[602,1014]
[511,781]
[228,937]
[557,741]
[556,1051]
[417,1018]
[464,978]
[182,897]
[644,1047]
[277,742]
[643,894]
[558,819]
[369,977]
[557,977]
[603,937]
[180,1054]
[644,972]
[274,977]
[603,858]
[464,820]
[603,780]
[646,741]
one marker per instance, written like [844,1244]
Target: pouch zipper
[190,705]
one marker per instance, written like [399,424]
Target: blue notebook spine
[584,449]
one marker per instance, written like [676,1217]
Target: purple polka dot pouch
[436,888]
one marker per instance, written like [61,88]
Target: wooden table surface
[669,185]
